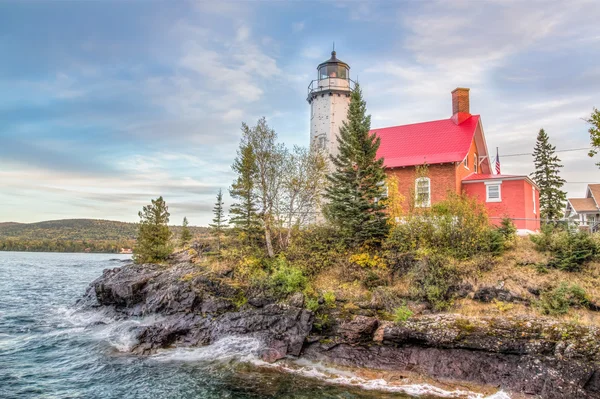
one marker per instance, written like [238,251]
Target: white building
[329,98]
[585,211]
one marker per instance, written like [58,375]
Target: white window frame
[533,192]
[475,163]
[466,162]
[421,204]
[487,191]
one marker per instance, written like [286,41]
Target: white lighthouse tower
[329,98]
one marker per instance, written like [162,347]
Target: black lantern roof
[333,61]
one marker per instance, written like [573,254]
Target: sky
[105,105]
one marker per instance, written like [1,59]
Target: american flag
[497,162]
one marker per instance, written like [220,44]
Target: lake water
[51,349]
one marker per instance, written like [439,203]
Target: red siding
[517,203]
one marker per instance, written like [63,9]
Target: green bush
[508,229]
[402,313]
[560,299]
[569,250]
[458,227]
[434,276]
[329,299]
[287,279]
[312,304]
[316,248]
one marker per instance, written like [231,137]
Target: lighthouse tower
[329,98]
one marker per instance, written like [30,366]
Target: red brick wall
[443,179]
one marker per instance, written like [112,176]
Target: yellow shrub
[365,260]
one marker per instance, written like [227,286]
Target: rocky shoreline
[529,357]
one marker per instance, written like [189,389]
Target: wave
[246,349]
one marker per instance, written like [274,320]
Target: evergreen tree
[243,213]
[153,243]
[219,222]
[594,121]
[358,181]
[186,235]
[546,176]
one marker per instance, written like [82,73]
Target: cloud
[298,27]
[99,117]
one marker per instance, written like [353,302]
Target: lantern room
[333,68]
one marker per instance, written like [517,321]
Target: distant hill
[74,235]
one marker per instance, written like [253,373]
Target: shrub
[287,279]
[329,299]
[458,226]
[316,248]
[367,260]
[402,313]
[251,269]
[508,229]
[569,250]
[560,299]
[435,275]
[312,304]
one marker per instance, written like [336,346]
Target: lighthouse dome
[333,68]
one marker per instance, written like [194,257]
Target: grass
[517,270]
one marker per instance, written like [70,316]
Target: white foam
[245,349]
[340,377]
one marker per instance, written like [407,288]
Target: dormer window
[466,162]
[475,165]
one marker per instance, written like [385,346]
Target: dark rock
[534,356]
[462,290]
[260,301]
[488,294]
[359,329]
[297,300]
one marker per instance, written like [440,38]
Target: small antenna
[334,46]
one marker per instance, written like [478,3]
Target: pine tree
[153,243]
[186,235]
[243,213]
[547,177]
[358,181]
[219,222]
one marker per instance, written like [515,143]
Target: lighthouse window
[333,71]
[321,142]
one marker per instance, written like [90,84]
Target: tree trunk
[268,241]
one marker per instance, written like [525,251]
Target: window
[533,192]
[475,165]
[321,142]
[466,162]
[333,71]
[493,192]
[423,192]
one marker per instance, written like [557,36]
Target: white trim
[421,204]
[487,192]
[465,162]
[475,163]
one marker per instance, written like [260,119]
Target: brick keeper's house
[458,161]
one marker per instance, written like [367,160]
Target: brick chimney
[460,105]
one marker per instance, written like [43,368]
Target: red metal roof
[432,142]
